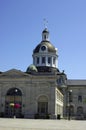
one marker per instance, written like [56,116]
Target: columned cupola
[45,54]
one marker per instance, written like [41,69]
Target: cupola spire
[45,23]
[45,33]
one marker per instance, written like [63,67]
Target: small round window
[43,48]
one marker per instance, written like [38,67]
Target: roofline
[76,82]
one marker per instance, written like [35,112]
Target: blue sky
[21,25]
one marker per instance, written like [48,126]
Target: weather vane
[45,23]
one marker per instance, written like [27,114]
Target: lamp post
[69,103]
[15,91]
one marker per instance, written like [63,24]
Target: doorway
[13,103]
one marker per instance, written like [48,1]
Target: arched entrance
[42,106]
[79,110]
[80,113]
[13,103]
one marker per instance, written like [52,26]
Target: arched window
[42,105]
[13,102]
[79,110]
[14,91]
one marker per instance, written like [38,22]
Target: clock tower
[45,54]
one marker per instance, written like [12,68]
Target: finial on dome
[45,23]
[45,32]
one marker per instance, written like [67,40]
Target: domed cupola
[32,68]
[45,54]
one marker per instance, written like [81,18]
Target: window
[45,36]
[70,96]
[49,60]
[43,48]
[79,98]
[54,60]
[42,107]
[37,60]
[43,60]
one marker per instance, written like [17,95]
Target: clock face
[43,48]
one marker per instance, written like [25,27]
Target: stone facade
[39,94]
[78,99]
[42,91]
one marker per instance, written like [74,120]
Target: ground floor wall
[28,100]
[75,104]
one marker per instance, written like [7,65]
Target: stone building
[42,91]
[34,93]
[76,100]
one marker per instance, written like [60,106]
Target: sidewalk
[31,124]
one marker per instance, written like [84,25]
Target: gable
[13,73]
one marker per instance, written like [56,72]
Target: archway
[79,110]
[13,103]
[42,106]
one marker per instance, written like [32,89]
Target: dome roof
[31,68]
[45,43]
[49,46]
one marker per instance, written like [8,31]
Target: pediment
[13,73]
